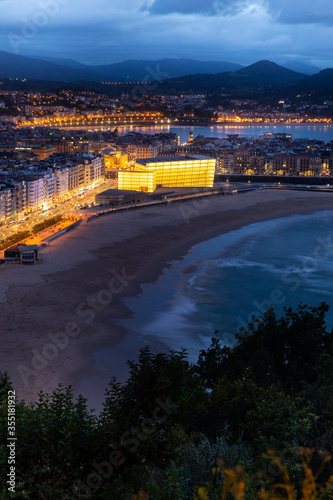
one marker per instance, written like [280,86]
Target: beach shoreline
[87,274]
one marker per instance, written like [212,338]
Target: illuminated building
[242,161]
[76,176]
[19,200]
[136,181]
[94,169]
[114,158]
[5,204]
[61,181]
[35,192]
[172,171]
[140,151]
[49,185]
[300,164]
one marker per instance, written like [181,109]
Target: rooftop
[163,159]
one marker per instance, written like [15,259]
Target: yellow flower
[203,494]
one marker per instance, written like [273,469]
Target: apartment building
[35,192]
[135,151]
[5,204]
[242,161]
[19,200]
[60,181]
[296,164]
[94,169]
[76,176]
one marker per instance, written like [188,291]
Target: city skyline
[237,31]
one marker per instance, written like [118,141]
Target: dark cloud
[115,31]
[209,7]
[301,11]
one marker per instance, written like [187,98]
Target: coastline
[133,248]
[188,124]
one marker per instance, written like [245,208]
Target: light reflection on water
[304,131]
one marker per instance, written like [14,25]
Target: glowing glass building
[169,171]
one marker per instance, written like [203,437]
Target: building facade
[176,171]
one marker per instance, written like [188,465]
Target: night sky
[104,31]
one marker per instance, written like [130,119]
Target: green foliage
[285,350]
[172,423]
[5,386]
[58,438]
[193,466]
[276,418]
[46,223]
[15,238]
[267,417]
[162,394]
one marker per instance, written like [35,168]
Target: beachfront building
[5,204]
[137,181]
[169,171]
[18,200]
[94,170]
[60,182]
[76,176]
[49,190]
[26,254]
[242,161]
[35,192]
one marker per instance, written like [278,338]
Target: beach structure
[26,254]
[116,197]
[169,171]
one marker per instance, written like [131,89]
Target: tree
[5,385]
[162,398]
[58,440]
[285,350]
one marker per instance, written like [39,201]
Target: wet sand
[57,315]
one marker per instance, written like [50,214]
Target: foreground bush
[171,423]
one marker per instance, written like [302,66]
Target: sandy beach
[56,315]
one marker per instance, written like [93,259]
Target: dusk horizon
[236,31]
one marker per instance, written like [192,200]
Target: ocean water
[225,281]
[220,285]
[304,131]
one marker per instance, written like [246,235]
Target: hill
[266,73]
[15,66]
[71,63]
[218,72]
[149,70]
[248,80]
[323,78]
[317,88]
[261,79]
[301,67]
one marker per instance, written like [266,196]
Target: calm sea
[319,132]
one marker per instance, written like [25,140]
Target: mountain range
[262,74]
[265,80]
[172,74]
[68,70]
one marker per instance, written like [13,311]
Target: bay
[305,131]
